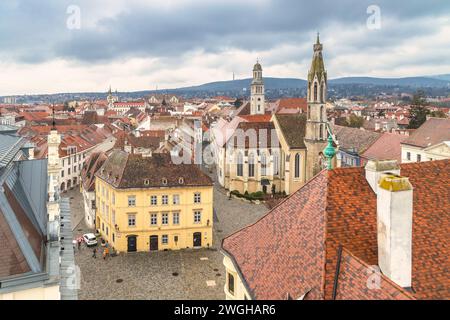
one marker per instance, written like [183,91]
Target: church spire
[257,99]
[316,124]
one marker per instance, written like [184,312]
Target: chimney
[394,228]
[375,169]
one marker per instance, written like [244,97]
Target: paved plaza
[184,274]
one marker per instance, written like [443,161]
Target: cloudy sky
[51,46]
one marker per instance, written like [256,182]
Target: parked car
[90,239]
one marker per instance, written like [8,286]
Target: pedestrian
[79,244]
[105,253]
[94,253]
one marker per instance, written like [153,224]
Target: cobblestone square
[185,274]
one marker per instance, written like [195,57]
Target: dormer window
[164,181]
[146,182]
[181,180]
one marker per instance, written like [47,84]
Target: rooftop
[294,249]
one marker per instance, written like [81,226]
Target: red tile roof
[433,131]
[294,248]
[387,147]
[287,105]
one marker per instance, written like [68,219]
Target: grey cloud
[35,30]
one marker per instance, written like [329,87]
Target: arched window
[263,164]
[309,112]
[240,165]
[322,92]
[251,165]
[321,113]
[321,132]
[315,91]
[297,166]
[276,164]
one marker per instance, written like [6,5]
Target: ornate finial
[329,152]
[318,38]
[53,116]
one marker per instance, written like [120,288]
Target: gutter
[336,275]
[236,266]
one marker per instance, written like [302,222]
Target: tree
[418,112]
[438,114]
[355,121]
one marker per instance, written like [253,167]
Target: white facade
[438,151]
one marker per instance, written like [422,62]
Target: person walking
[105,253]
[94,253]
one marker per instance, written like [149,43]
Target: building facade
[151,204]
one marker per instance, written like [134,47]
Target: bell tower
[257,99]
[316,124]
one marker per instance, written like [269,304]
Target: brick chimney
[394,228]
[375,169]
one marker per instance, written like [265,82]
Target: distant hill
[445,77]
[289,83]
[240,85]
[402,82]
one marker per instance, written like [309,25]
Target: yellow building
[150,204]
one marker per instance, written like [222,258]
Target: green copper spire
[329,152]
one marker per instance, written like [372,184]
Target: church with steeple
[316,118]
[288,149]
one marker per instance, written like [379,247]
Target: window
[132,201]
[322,92]
[107,230]
[251,165]
[230,283]
[176,199]
[408,156]
[165,239]
[176,218]
[113,198]
[263,164]
[62,173]
[113,214]
[131,220]
[165,219]
[419,158]
[297,165]
[321,113]
[113,237]
[154,219]
[153,200]
[197,197]
[107,212]
[103,226]
[68,171]
[197,217]
[165,199]
[240,165]
[276,164]
[315,91]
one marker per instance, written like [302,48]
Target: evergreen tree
[418,112]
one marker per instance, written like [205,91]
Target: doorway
[132,247]
[197,239]
[153,243]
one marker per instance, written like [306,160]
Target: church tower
[257,100]
[316,124]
